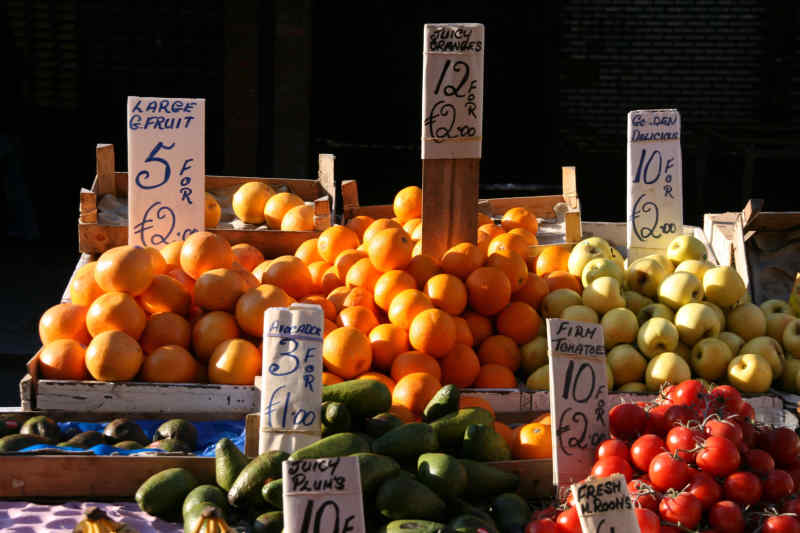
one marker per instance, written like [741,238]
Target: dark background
[286,80]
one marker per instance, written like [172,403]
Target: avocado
[204,494]
[43,427]
[407,441]
[195,513]
[380,424]
[246,489]
[85,440]
[483,443]
[486,481]
[180,429]
[128,445]
[333,446]
[375,469]
[459,506]
[444,402]
[363,397]
[122,429]
[228,462]
[469,523]
[162,494]
[450,428]
[402,497]
[412,526]
[272,493]
[443,474]
[334,418]
[15,442]
[510,512]
[271,522]
[170,445]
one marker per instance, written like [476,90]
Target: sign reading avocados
[604,505]
[578,398]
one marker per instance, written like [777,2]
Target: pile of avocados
[416,477]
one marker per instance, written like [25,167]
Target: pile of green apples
[670,317]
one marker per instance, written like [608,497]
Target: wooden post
[452,118]
[106,184]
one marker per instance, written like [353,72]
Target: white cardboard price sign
[452,91]
[604,505]
[655,180]
[323,495]
[166,169]
[291,391]
[578,398]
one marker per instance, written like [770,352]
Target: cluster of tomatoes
[695,461]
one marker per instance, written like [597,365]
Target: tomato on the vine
[743,488]
[656,421]
[705,489]
[718,456]
[791,506]
[682,508]
[567,521]
[668,472]
[782,444]
[627,421]
[727,517]
[777,485]
[649,522]
[747,411]
[605,466]
[643,494]
[682,440]
[544,525]
[781,524]
[748,430]
[615,447]
[692,393]
[759,462]
[726,429]
[727,398]
[644,449]
[679,415]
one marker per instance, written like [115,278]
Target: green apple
[791,370]
[585,251]
[734,341]
[619,326]
[747,320]
[542,332]
[644,276]
[558,300]
[696,321]
[626,363]
[791,338]
[710,358]
[634,386]
[683,350]
[533,354]
[666,367]
[617,257]
[539,379]
[609,378]
[635,301]
[769,349]
[580,313]
[750,373]
[655,310]
[599,267]
[679,289]
[720,313]
[776,324]
[669,267]
[684,247]
[655,336]
[723,286]
[693,266]
[776,306]
[603,294]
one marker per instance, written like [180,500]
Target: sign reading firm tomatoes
[578,398]
[166,169]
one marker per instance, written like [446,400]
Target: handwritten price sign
[655,179]
[291,393]
[578,397]
[452,91]
[166,169]
[604,505]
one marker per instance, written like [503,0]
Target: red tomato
[644,449]
[724,428]
[743,487]
[649,522]
[794,471]
[668,472]
[759,462]
[782,444]
[790,506]
[748,430]
[606,466]
[681,439]
[747,411]
[613,447]
[668,528]
[656,421]
[567,521]
[643,494]
[541,526]
[719,457]
[627,421]
[667,394]
[548,512]
[781,524]
[683,508]
[727,398]
[777,485]
[692,393]
[679,415]
[726,516]
[705,489]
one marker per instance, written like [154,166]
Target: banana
[794,297]
[212,522]
[96,521]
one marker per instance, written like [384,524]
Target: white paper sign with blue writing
[291,390]
[604,505]
[578,398]
[452,91]
[166,169]
[323,496]
[655,180]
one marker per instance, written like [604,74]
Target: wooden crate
[95,238]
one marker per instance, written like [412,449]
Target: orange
[210,330]
[334,240]
[391,283]
[346,352]
[124,269]
[328,309]
[417,250]
[513,265]
[533,292]
[388,341]
[203,251]
[403,413]
[433,332]
[490,230]
[519,321]
[163,329]
[277,206]
[249,199]
[360,223]
[406,305]
[201,373]
[508,242]
[552,258]
[377,376]
[360,296]
[363,274]
[307,252]
[195,313]
[489,290]
[447,292]
[62,359]
[460,366]
[414,361]
[494,376]
[317,271]
[169,364]
[378,225]
[247,255]
[218,289]
[461,259]
[234,362]
[157,261]
[115,310]
[164,294]
[533,442]
[506,432]
[260,268]
[172,253]
[298,218]
[483,218]
[358,317]
[414,391]
[465,402]
[422,267]
[337,297]
[328,326]
[408,203]
[519,217]
[416,235]
[249,280]
[213,211]
[83,288]
[113,356]
[479,325]
[529,237]
[463,333]
[64,321]
[500,350]
[410,225]
[331,280]
[390,249]
[559,279]
[290,274]
[183,278]
[250,307]
[346,259]
[543,418]
[330,379]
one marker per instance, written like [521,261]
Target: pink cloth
[26,517]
